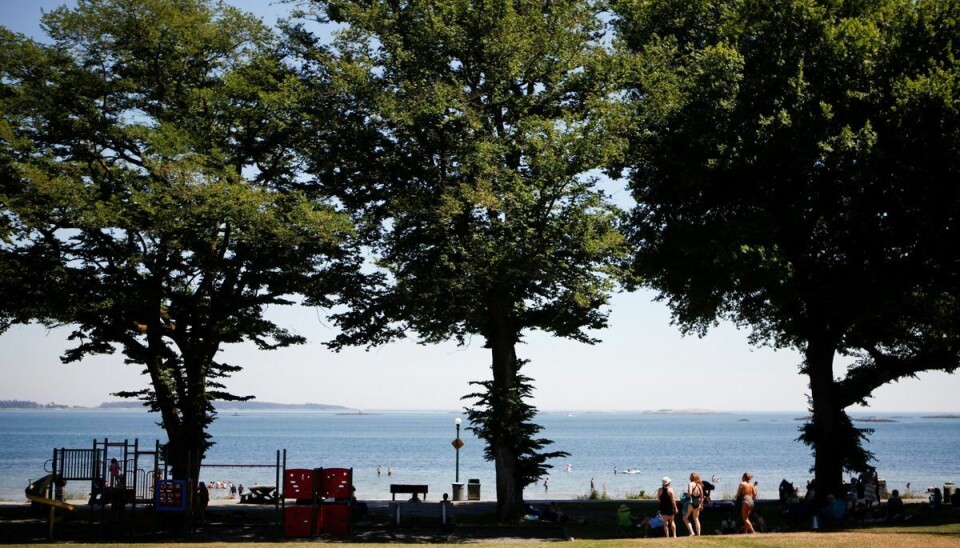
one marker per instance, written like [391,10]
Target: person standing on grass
[668,507]
[691,513]
[747,494]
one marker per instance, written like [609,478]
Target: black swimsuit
[666,503]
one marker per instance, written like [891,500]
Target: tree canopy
[795,166]
[469,132]
[148,197]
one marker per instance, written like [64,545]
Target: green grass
[928,536]
[596,520]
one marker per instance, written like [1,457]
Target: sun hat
[623,508]
[666,481]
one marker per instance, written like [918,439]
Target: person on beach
[747,495]
[691,510]
[203,500]
[668,507]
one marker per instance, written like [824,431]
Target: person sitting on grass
[834,511]
[728,526]
[625,521]
[553,513]
[651,527]
[895,510]
[936,499]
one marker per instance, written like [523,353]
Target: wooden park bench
[407,489]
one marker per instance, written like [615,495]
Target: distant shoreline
[219,406]
[224,407]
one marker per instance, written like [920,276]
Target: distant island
[857,419]
[240,406]
[23,404]
[873,419]
[220,406]
[688,411]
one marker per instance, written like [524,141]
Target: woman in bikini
[747,493]
[691,513]
[668,508]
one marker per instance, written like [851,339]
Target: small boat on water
[630,471]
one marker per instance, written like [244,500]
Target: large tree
[146,196]
[796,168]
[466,133]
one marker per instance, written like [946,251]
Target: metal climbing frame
[138,469]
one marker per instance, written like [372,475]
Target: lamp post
[457,444]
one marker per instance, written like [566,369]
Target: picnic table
[261,494]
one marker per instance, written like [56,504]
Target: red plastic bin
[298,522]
[337,483]
[335,519]
[298,483]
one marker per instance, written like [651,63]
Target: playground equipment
[324,498]
[119,473]
[48,491]
[125,474]
[39,492]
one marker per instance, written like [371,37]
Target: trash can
[473,489]
[947,492]
[457,491]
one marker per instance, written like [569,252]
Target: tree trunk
[827,416]
[506,458]
[184,454]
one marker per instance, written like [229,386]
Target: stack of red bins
[337,495]
[323,500]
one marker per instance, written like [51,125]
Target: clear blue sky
[643,363]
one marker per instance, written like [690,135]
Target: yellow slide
[36,490]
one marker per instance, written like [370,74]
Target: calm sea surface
[416,446]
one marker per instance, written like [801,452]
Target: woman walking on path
[668,508]
[747,494]
[691,511]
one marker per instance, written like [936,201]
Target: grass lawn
[881,537]
[591,523]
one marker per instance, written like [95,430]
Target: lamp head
[457,421]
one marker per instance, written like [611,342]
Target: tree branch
[877,369]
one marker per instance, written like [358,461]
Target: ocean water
[416,448]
